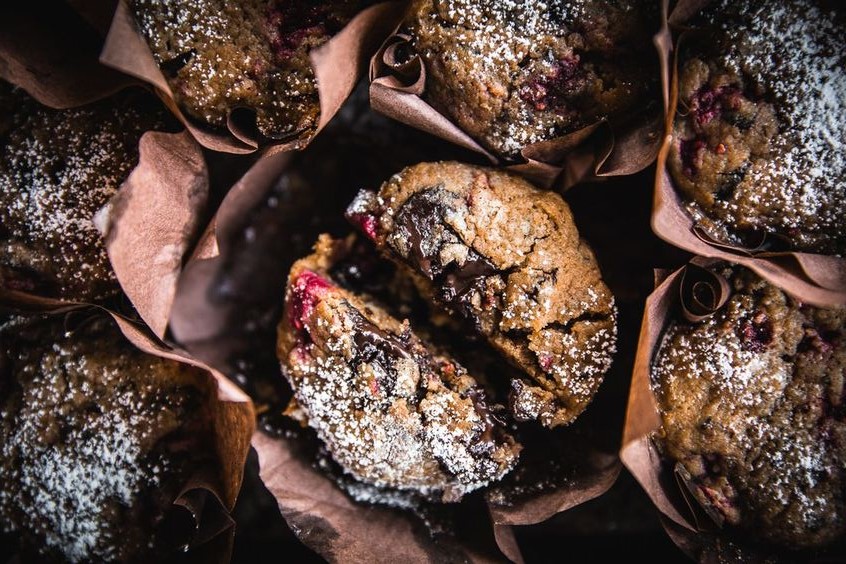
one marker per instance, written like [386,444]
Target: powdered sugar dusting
[797,53]
[752,402]
[732,370]
[57,170]
[219,56]
[503,35]
[505,30]
[391,412]
[68,484]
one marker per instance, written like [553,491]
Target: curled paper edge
[149,226]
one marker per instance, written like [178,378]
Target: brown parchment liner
[152,222]
[817,279]
[316,509]
[693,292]
[51,52]
[209,494]
[599,150]
[337,66]
[148,227]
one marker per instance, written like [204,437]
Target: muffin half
[489,248]
[392,410]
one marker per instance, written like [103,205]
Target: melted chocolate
[171,67]
[420,219]
[493,424]
[376,346]
[361,270]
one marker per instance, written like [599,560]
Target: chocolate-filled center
[418,222]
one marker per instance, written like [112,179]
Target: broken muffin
[392,410]
[487,247]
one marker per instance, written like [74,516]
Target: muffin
[97,439]
[489,248]
[753,410]
[219,56]
[515,73]
[758,140]
[58,168]
[392,411]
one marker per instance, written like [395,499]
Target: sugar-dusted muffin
[515,73]
[96,440]
[218,56]
[58,168]
[753,407]
[393,411]
[490,248]
[758,145]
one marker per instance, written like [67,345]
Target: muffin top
[753,409]
[58,168]
[218,56]
[515,73]
[758,136]
[506,258]
[95,439]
